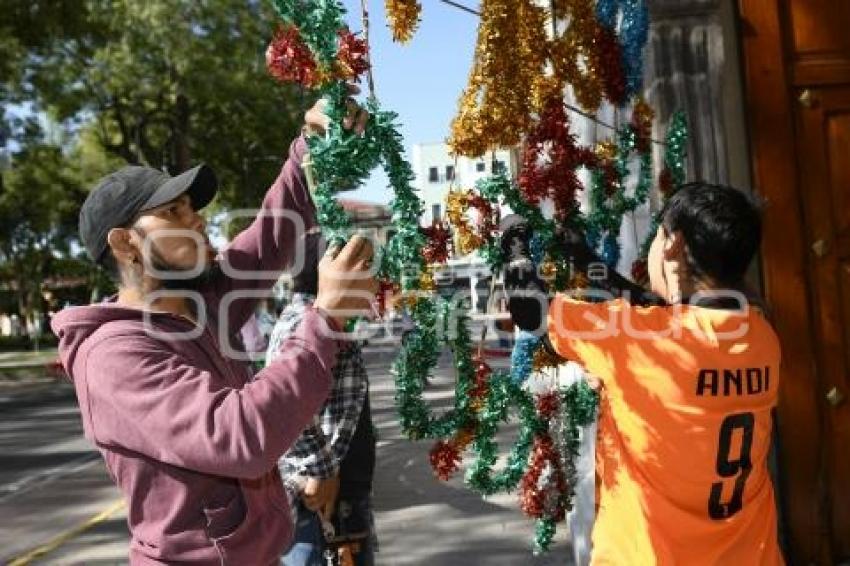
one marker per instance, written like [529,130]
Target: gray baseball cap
[120,196]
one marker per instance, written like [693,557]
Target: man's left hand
[316,122]
[320,495]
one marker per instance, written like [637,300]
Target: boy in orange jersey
[687,391]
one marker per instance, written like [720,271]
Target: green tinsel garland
[418,357]
[676,148]
[501,397]
[609,202]
[579,404]
[544,532]
[498,189]
[675,154]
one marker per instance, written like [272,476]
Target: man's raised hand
[347,286]
[316,122]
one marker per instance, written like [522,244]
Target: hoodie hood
[74,325]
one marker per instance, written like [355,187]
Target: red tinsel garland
[288,58]
[482,379]
[533,496]
[386,290]
[642,116]
[445,459]
[486,218]
[436,250]
[548,405]
[551,159]
[352,56]
[611,65]
[445,456]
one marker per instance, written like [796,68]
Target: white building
[437,170]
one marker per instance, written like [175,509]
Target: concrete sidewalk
[27,358]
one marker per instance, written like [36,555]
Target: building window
[480,166]
[435,213]
[498,167]
[433,175]
[450,172]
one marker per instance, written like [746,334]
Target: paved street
[55,494]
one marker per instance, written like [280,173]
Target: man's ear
[121,243]
[674,246]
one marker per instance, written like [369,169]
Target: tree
[168,83]
[38,206]
[164,83]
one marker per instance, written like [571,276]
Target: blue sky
[421,80]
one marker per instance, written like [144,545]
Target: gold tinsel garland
[574,56]
[403,18]
[510,54]
[469,238]
[517,68]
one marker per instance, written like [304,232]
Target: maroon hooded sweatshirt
[190,437]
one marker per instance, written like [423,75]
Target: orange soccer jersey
[684,430]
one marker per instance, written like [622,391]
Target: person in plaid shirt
[329,468]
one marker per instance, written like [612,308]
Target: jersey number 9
[738,467]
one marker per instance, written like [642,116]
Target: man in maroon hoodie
[190,436]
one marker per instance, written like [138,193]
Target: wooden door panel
[838,137]
[819,27]
[818,43]
[825,183]
[838,141]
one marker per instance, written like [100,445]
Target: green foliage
[164,83]
[171,83]
[39,216]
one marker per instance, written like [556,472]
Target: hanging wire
[570,107]
[461,7]
[364,11]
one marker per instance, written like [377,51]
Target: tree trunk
[182,154]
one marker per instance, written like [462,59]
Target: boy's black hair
[721,227]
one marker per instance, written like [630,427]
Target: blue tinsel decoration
[537,248]
[592,236]
[606,12]
[633,35]
[522,357]
[611,251]
[634,32]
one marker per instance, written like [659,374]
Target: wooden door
[824,125]
[796,56]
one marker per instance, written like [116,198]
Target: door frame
[770,100]
[817,177]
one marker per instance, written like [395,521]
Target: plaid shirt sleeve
[339,416]
[322,446]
